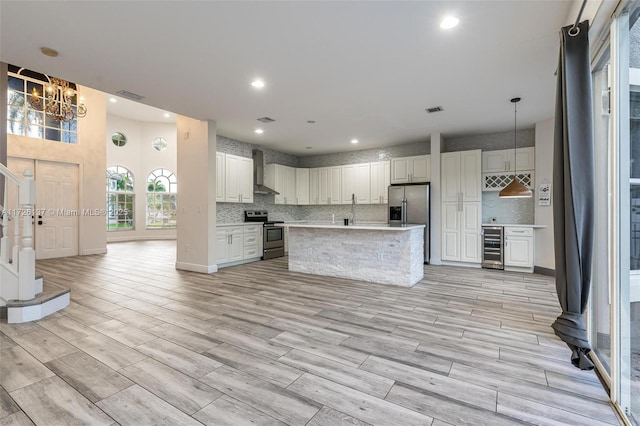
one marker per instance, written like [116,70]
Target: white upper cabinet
[220,179]
[329,185]
[504,160]
[238,178]
[283,180]
[245,179]
[302,186]
[356,181]
[314,186]
[411,169]
[470,176]
[380,179]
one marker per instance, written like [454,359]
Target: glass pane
[69,137]
[34,117]
[629,302]
[15,113]
[31,85]
[15,127]
[600,309]
[52,134]
[34,131]
[50,122]
[15,98]
[16,84]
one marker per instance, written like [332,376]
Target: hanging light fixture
[515,189]
[58,97]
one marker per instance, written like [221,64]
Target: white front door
[57,210]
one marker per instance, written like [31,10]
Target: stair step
[50,300]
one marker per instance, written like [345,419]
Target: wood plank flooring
[144,344]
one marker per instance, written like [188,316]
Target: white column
[544,250]
[27,255]
[196,172]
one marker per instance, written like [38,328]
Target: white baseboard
[465,264]
[435,261]
[88,252]
[139,238]
[238,262]
[193,267]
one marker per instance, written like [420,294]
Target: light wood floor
[144,344]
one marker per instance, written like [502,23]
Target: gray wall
[366,155]
[491,141]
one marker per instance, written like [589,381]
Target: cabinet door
[231,185]
[362,183]
[450,231]
[302,186]
[348,177]
[324,188]
[236,247]
[220,178]
[471,175]
[335,187]
[386,182]
[314,186]
[450,173]
[400,169]
[518,251]
[495,161]
[222,246]
[421,169]
[289,183]
[470,227]
[245,179]
[376,182]
[523,159]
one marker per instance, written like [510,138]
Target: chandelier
[58,98]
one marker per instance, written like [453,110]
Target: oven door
[273,237]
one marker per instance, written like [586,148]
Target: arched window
[162,187]
[120,199]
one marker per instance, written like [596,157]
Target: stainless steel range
[273,235]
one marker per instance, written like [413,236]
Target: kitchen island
[379,253]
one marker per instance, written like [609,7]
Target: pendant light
[515,189]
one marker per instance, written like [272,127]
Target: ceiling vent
[434,109]
[266,120]
[129,95]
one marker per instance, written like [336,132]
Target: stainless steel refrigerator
[409,204]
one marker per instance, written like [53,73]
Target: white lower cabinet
[238,243]
[518,249]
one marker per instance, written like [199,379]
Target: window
[162,187]
[159,144]
[119,139]
[120,199]
[25,121]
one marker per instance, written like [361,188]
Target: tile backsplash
[507,210]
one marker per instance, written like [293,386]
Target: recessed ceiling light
[354,141]
[258,84]
[49,52]
[449,22]
[259,131]
[113,100]
[311,121]
[307,147]
[167,115]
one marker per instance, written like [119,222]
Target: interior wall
[139,156]
[90,155]
[544,250]
[196,168]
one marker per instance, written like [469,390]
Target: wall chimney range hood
[258,174]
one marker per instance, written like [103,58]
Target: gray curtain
[573,195]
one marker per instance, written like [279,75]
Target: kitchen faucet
[353,209]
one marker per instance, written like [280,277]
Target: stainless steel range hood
[258,174]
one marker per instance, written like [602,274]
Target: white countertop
[374,227]
[518,225]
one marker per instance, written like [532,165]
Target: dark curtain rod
[575,26]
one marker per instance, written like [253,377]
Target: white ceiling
[360,69]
